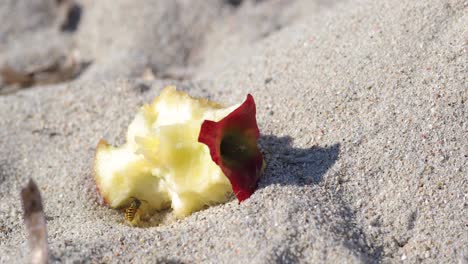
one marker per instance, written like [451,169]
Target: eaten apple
[184,153]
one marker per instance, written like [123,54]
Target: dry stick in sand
[35,222]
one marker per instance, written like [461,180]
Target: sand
[361,106]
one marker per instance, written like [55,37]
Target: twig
[35,223]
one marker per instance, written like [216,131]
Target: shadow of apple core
[287,165]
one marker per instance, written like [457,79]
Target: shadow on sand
[287,165]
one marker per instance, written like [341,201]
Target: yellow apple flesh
[162,163]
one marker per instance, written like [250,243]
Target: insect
[132,210]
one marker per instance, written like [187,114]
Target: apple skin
[233,147]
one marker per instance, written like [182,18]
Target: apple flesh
[162,161]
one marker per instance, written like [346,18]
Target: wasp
[132,211]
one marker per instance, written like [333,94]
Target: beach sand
[361,106]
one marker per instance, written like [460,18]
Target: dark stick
[35,223]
